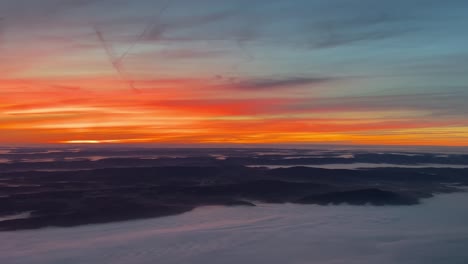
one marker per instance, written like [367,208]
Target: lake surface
[435,232]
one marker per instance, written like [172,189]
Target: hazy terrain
[222,205]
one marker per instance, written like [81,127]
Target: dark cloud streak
[358,28]
[264,84]
[436,103]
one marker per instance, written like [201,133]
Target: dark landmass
[72,198]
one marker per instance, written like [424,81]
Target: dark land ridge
[72,198]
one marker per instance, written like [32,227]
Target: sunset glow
[232,72]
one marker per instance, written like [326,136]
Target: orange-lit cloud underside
[195,111]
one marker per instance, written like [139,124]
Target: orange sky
[190,111]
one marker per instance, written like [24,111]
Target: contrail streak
[116,63]
[2,29]
[146,30]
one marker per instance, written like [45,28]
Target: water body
[15,216]
[434,232]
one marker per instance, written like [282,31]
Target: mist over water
[431,233]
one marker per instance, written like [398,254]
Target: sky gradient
[234,71]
